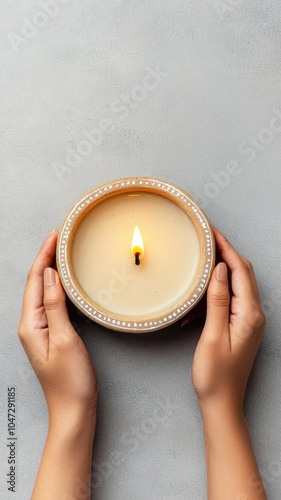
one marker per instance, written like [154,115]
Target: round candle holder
[152,320]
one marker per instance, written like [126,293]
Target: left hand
[55,350]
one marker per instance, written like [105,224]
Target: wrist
[219,414]
[72,424]
[74,434]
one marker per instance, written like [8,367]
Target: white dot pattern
[123,185]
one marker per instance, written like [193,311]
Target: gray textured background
[220,92]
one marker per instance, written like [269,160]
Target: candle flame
[137,242]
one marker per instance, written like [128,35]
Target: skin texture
[222,363]
[66,374]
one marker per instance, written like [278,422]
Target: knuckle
[48,254]
[226,246]
[61,340]
[261,318]
[248,265]
[30,275]
[52,303]
[65,340]
[220,299]
[257,318]
[21,332]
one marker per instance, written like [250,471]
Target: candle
[102,261]
[135,256]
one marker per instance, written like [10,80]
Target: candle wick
[137,258]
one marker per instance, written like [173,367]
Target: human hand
[231,336]
[55,351]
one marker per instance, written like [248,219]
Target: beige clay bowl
[105,317]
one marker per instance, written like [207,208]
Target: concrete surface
[209,120]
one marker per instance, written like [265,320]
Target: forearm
[65,468]
[232,470]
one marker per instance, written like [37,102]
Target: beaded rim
[109,319]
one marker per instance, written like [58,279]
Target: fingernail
[53,231]
[221,272]
[49,276]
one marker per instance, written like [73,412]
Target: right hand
[232,333]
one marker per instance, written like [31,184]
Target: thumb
[218,300]
[54,302]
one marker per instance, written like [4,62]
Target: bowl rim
[118,186]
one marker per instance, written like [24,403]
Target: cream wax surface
[105,267]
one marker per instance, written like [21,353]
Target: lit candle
[100,254]
[102,232]
[137,246]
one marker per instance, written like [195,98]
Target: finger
[54,303]
[241,281]
[218,300]
[253,277]
[33,295]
